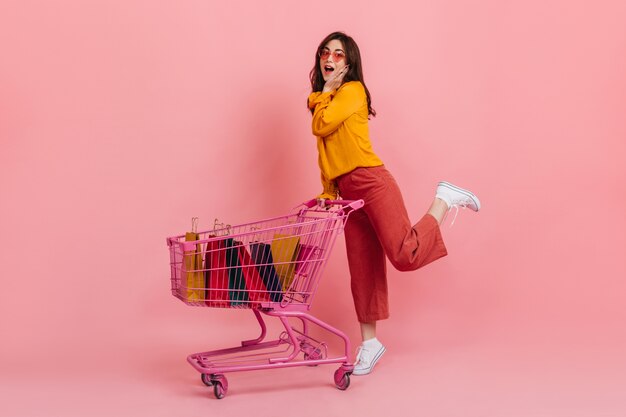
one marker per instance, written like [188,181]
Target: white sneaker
[456,197]
[369,353]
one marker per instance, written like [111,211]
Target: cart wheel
[220,385]
[342,379]
[219,390]
[206,380]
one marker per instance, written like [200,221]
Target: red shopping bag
[216,274]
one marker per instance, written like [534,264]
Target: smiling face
[332,58]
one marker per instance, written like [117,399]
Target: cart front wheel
[220,385]
[219,390]
[342,379]
[206,380]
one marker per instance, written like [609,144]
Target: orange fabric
[340,120]
[382,228]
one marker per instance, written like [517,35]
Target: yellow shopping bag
[284,250]
[193,282]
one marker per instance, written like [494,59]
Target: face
[332,58]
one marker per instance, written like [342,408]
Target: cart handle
[321,202]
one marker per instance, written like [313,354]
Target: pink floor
[432,376]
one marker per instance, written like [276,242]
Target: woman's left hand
[335,81]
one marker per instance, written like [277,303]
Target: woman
[341,105]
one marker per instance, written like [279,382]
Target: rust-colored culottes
[382,227]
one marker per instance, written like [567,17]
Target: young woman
[341,106]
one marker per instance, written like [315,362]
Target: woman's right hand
[335,81]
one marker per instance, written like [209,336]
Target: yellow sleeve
[317,97]
[333,108]
[330,189]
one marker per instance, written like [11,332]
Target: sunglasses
[337,55]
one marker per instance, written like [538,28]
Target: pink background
[120,120]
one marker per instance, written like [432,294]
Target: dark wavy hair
[353,58]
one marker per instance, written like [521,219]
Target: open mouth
[328,69]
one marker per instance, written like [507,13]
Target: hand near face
[335,81]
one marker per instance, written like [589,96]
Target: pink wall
[120,120]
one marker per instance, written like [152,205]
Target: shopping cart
[273,267]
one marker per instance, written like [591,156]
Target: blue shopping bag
[262,258]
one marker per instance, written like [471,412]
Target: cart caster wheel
[206,380]
[219,390]
[342,379]
[220,385]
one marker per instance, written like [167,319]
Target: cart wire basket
[273,268]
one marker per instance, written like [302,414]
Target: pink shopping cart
[273,267]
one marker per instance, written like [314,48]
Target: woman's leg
[383,227]
[368,330]
[438,210]
[407,246]
[368,272]
[384,223]
[368,269]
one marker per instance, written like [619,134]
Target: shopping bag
[284,248]
[193,281]
[216,274]
[236,284]
[261,254]
[305,259]
[257,291]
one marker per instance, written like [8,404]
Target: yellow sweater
[343,142]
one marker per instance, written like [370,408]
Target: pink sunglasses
[337,55]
